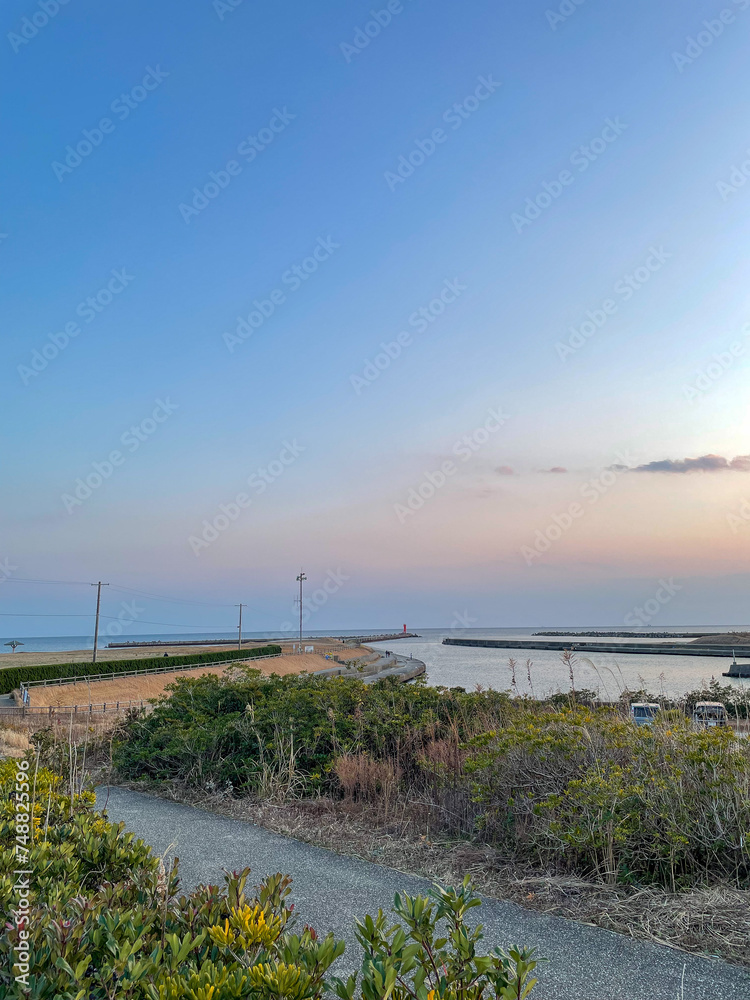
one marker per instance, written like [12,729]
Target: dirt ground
[725,639]
[84,655]
[144,652]
[152,685]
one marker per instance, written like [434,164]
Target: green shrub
[590,792]
[107,921]
[235,732]
[11,677]
[569,788]
[432,954]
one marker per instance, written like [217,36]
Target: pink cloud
[705,463]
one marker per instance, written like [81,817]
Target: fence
[116,675]
[78,712]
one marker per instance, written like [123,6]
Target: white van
[707,714]
[643,713]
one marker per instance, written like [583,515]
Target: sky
[446,304]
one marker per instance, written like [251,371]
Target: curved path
[585,963]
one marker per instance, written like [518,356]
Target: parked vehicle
[708,714]
[643,713]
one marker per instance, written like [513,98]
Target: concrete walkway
[585,963]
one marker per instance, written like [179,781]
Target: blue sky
[344,120]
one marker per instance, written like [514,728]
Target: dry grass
[152,685]
[13,742]
[325,645]
[713,921]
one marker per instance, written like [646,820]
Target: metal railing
[82,711]
[115,675]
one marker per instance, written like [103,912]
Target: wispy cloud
[556,469]
[504,470]
[705,463]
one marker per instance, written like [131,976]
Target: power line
[171,600]
[25,614]
[142,621]
[131,590]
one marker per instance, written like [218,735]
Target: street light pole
[98,586]
[300,579]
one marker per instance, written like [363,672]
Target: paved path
[585,963]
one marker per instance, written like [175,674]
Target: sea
[536,672]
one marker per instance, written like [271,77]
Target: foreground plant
[431,954]
[106,921]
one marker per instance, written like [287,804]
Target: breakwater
[660,648]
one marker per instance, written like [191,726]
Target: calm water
[67,642]
[452,666]
[607,673]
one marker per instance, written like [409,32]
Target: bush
[568,787]
[432,953]
[246,732]
[11,677]
[106,921]
[589,792]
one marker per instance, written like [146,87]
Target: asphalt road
[329,890]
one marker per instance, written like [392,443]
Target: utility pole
[300,580]
[98,586]
[239,627]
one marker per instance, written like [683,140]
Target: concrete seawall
[662,648]
[377,668]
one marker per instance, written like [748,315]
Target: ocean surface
[606,673]
[456,666]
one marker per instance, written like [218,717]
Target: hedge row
[11,678]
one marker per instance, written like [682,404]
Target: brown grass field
[143,652]
[152,685]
